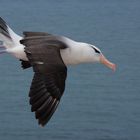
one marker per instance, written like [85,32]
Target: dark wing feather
[33,34]
[48,83]
[28,36]
[25,64]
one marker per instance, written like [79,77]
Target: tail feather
[3,51]
[7,37]
[4,28]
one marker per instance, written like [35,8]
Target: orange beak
[107,63]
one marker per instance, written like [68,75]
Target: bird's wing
[48,83]
[31,34]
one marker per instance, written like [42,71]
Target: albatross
[48,55]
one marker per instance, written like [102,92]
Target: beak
[107,63]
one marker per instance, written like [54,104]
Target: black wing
[27,34]
[33,34]
[48,83]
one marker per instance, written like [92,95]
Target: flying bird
[48,55]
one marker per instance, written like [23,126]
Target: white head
[99,57]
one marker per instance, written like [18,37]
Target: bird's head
[99,57]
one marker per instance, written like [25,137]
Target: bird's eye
[97,51]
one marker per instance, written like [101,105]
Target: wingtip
[41,125]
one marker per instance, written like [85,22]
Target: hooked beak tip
[114,67]
[107,63]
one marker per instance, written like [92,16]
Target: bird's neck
[77,53]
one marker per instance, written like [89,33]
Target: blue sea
[98,104]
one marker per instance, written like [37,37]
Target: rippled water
[98,104]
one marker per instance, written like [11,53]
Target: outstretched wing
[48,83]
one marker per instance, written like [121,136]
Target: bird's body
[75,53]
[49,55]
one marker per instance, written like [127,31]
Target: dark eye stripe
[96,50]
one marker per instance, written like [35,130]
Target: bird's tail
[8,39]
